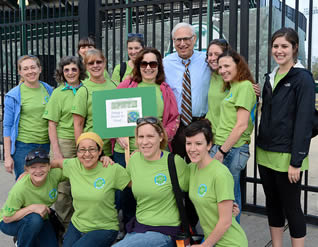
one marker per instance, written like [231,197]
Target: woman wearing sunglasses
[69,74]
[157,217]
[23,126]
[25,213]
[95,63]
[95,220]
[123,71]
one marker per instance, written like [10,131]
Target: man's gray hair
[182,25]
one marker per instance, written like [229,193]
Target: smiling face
[227,68]
[38,173]
[88,153]
[29,71]
[148,141]
[95,66]
[213,54]
[197,148]
[71,74]
[149,73]
[83,49]
[184,41]
[133,48]
[283,52]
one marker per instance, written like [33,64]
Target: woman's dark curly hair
[59,74]
[136,71]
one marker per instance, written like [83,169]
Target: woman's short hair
[136,71]
[94,53]
[136,37]
[243,71]
[159,129]
[59,75]
[26,57]
[202,126]
[87,41]
[290,35]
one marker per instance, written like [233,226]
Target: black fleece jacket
[287,114]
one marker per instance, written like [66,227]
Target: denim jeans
[124,199]
[147,239]
[21,150]
[31,231]
[97,238]
[236,160]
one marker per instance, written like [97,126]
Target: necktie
[186,105]
[69,87]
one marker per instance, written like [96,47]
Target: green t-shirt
[160,107]
[215,97]
[152,189]
[24,193]
[59,110]
[116,72]
[32,127]
[274,160]
[208,187]
[82,105]
[242,95]
[93,193]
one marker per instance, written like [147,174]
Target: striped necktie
[186,105]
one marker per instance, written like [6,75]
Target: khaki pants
[64,204]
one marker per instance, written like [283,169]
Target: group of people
[206,107]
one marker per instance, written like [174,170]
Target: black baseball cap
[37,155]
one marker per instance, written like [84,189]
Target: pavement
[254,225]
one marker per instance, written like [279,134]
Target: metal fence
[53,31]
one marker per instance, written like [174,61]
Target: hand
[9,164]
[235,209]
[106,161]
[257,89]
[122,141]
[40,209]
[219,156]
[293,174]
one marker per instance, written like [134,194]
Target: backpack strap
[122,71]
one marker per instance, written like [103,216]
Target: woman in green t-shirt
[123,71]
[235,125]
[211,189]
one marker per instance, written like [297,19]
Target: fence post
[23,27]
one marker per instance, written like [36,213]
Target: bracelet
[222,152]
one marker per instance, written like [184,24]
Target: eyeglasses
[132,35]
[90,150]
[150,120]
[67,70]
[37,154]
[98,62]
[178,41]
[152,64]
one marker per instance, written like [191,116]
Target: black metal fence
[53,31]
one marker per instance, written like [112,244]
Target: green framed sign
[115,111]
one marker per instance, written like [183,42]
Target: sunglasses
[150,120]
[37,154]
[132,35]
[98,62]
[152,64]
[67,70]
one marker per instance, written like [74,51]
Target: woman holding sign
[148,72]
[95,63]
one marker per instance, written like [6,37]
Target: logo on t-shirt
[160,179]
[202,190]
[229,97]
[99,183]
[53,194]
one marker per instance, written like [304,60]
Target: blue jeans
[21,150]
[97,238]
[147,239]
[236,161]
[124,199]
[31,231]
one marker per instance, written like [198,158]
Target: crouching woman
[25,213]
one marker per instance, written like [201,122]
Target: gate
[53,30]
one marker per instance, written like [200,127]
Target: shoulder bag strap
[122,70]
